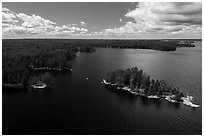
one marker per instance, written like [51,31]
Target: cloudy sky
[102,20]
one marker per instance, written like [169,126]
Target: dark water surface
[81,106]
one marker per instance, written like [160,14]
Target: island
[139,83]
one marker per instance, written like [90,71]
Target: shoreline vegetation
[138,83]
[49,69]
[87,45]
[18,68]
[11,86]
[21,58]
[45,80]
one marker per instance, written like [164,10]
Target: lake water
[80,106]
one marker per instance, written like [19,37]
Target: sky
[102,20]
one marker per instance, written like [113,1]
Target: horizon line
[103,38]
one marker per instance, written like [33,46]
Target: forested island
[137,82]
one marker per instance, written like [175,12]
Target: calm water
[80,106]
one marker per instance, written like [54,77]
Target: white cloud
[82,23]
[164,12]
[150,20]
[71,28]
[34,21]
[162,20]
[8,16]
[23,25]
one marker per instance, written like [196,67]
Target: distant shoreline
[154,44]
[101,39]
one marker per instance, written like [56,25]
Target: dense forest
[87,45]
[16,67]
[86,48]
[138,81]
[53,59]
[21,57]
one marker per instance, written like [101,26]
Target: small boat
[39,85]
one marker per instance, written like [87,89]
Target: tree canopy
[137,79]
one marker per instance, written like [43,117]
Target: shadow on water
[26,91]
[175,105]
[9,92]
[44,92]
[122,95]
[146,102]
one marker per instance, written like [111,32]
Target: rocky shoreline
[140,92]
[12,86]
[49,69]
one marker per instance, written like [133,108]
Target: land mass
[22,57]
[137,82]
[86,45]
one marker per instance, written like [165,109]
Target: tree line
[87,45]
[18,54]
[15,68]
[137,79]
